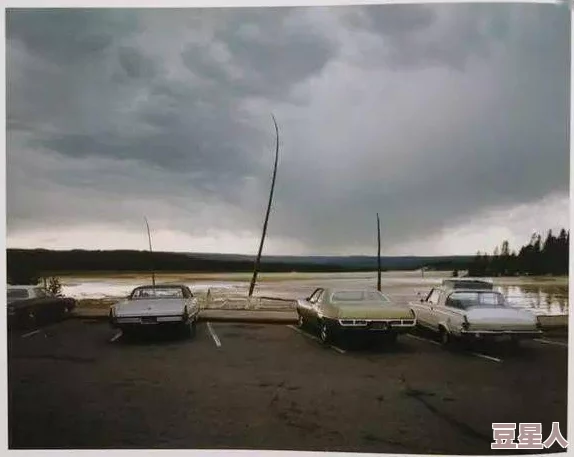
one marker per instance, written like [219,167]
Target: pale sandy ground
[542,295]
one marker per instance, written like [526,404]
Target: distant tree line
[548,257]
[28,266]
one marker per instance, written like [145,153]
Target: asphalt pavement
[79,384]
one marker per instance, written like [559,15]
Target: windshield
[157,292]
[17,293]
[464,300]
[357,296]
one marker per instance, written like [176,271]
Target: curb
[555,330]
[223,318]
[249,320]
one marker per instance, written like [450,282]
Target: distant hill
[47,261]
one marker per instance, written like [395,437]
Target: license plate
[502,338]
[149,320]
[379,326]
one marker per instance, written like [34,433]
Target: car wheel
[445,337]
[188,329]
[32,320]
[324,333]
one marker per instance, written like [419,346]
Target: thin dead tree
[378,254]
[258,259]
[150,253]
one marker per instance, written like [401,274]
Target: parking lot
[80,384]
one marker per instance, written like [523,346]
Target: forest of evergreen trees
[548,257]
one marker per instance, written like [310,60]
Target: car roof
[450,290]
[467,284]
[332,290]
[149,286]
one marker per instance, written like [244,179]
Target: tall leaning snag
[258,259]
[378,254]
[150,253]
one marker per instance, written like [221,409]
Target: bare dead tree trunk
[150,253]
[378,254]
[258,259]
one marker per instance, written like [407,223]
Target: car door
[454,310]
[308,308]
[427,309]
[316,308]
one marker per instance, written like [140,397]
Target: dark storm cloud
[135,64]
[428,114]
[64,36]
[270,54]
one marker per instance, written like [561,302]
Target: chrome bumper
[377,324]
[500,333]
[146,320]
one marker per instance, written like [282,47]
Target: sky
[449,120]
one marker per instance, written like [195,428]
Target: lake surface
[547,296]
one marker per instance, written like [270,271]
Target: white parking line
[545,341]
[116,336]
[476,354]
[487,357]
[314,338]
[213,335]
[422,339]
[32,333]
[339,350]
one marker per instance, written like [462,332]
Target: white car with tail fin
[471,310]
[159,306]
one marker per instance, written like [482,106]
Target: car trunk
[373,311]
[150,307]
[496,318]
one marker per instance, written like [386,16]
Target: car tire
[188,329]
[445,337]
[32,319]
[324,333]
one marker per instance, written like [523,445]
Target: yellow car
[336,312]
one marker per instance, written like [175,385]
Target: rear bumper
[498,334]
[374,326]
[147,322]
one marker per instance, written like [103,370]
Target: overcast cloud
[449,120]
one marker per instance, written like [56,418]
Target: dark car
[31,306]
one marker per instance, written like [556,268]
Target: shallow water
[540,295]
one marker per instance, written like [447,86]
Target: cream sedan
[472,310]
[153,307]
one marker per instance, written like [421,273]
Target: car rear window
[358,295]
[466,300]
[158,292]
